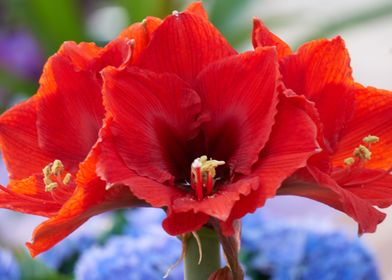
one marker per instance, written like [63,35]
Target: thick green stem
[210,261]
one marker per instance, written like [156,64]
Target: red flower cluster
[168,115]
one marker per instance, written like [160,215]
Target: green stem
[210,261]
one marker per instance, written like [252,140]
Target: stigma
[55,176]
[203,172]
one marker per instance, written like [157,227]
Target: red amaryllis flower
[199,130]
[352,174]
[46,141]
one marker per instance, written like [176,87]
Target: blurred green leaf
[53,21]
[370,14]
[138,10]
[33,269]
[16,84]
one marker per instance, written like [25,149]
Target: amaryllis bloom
[199,130]
[353,173]
[46,140]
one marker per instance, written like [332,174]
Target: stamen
[203,172]
[349,161]
[362,152]
[53,176]
[370,139]
[175,13]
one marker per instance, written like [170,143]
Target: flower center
[362,153]
[55,176]
[202,175]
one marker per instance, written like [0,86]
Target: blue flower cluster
[9,268]
[145,252]
[78,242]
[286,252]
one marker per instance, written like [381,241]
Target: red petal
[180,223]
[153,117]
[321,71]
[29,196]
[112,169]
[183,44]
[89,199]
[316,65]
[327,191]
[374,185]
[141,32]
[218,205]
[19,141]
[197,9]
[262,37]
[372,116]
[70,105]
[239,94]
[291,144]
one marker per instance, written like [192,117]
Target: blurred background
[31,31]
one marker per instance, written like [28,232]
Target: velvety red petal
[327,191]
[154,115]
[373,185]
[19,141]
[291,144]
[240,95]
[321,71]
[180,223]
[112,169]
[141,32]
[197,9]
[263,37]
[219,204]
[184,44]
[372,116]
[29,196]
[70,109]
[316,65]
[89,199]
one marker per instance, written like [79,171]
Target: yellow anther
[349,161]
[51,187]
[370,139]
[208,165]
[362,153]
[46,171]
[67,179]
[47,181]
[57,167]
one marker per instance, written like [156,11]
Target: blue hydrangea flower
[9,268]
[79,241]
[131,258]
[145,252]
[287,251]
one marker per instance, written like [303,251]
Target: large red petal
[180,223]
[154,115]
[184,44]
[70,109]
[263,37]
[291,144]
[240,95]
[19,141]
[219,204]
[374,185]
[321,71]
[326,190]
[90,198]
[112,169]
[372,116]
